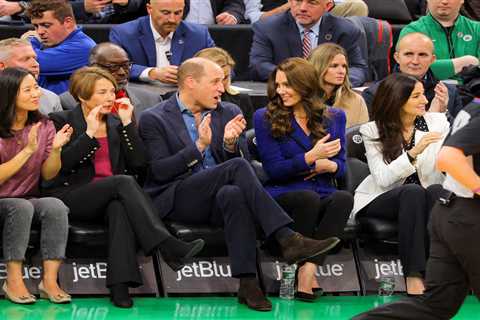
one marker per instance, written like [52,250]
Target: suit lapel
[176,122]
[77,121]
[325,32]
[217,133]
[300,137]
[147,41]
[113,141]
[178,45]
[294,42]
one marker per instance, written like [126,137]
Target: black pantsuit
[131,220]
[231,196]
[410,206]
[118,199]
[453,267]
[315,216]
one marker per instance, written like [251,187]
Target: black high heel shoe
[300,295]
[120,297]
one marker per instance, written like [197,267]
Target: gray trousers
[17,215]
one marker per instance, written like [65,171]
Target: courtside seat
[87,240]
[88,234]
[377,229]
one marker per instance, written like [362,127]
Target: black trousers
[315,216]
[132,221]
[410,206]
[452,269]
[230,195]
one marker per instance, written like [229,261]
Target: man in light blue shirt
[222,12]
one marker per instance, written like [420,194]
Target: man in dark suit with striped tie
[296,32]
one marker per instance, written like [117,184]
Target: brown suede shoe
[250,294]
[298,248]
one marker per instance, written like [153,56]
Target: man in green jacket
[456,38]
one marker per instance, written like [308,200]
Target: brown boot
[250,294]
[298,248]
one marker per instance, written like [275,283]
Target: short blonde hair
[82,81]
[217,55]
[220,57]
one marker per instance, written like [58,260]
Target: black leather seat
[87,240]
[354,144]
[375,234]
[368,228]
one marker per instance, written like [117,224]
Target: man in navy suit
[281,36]
[161,41]
[199,174]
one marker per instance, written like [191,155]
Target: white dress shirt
[162,46]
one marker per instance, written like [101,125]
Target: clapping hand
[233,130]
[427,139]
[440,101]
[324,150]
[32,144]
[204,133]
[62,137]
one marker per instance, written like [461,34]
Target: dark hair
[10,81]
[302,78]
[61,9]
[391,96]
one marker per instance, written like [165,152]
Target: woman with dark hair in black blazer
[96,181]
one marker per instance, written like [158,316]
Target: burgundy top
[103,166]
[25,182]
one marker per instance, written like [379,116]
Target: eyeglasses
[115,67]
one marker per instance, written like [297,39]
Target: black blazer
[234,7]
[173,155]
[127,152]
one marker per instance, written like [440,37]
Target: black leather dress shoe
[298,248]
[250,294]
[307,297]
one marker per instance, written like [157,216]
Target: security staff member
[454,264]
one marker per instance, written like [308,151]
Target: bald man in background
[114,59]
[414,55]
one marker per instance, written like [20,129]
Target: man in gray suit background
[18,53]
[114,59]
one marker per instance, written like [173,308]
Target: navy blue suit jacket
[136,38]
[172,155]
[283,159]
[278,38]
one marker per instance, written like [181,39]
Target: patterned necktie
[307,45]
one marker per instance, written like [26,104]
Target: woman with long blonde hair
[331,65]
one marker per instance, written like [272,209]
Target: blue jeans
[17,215]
